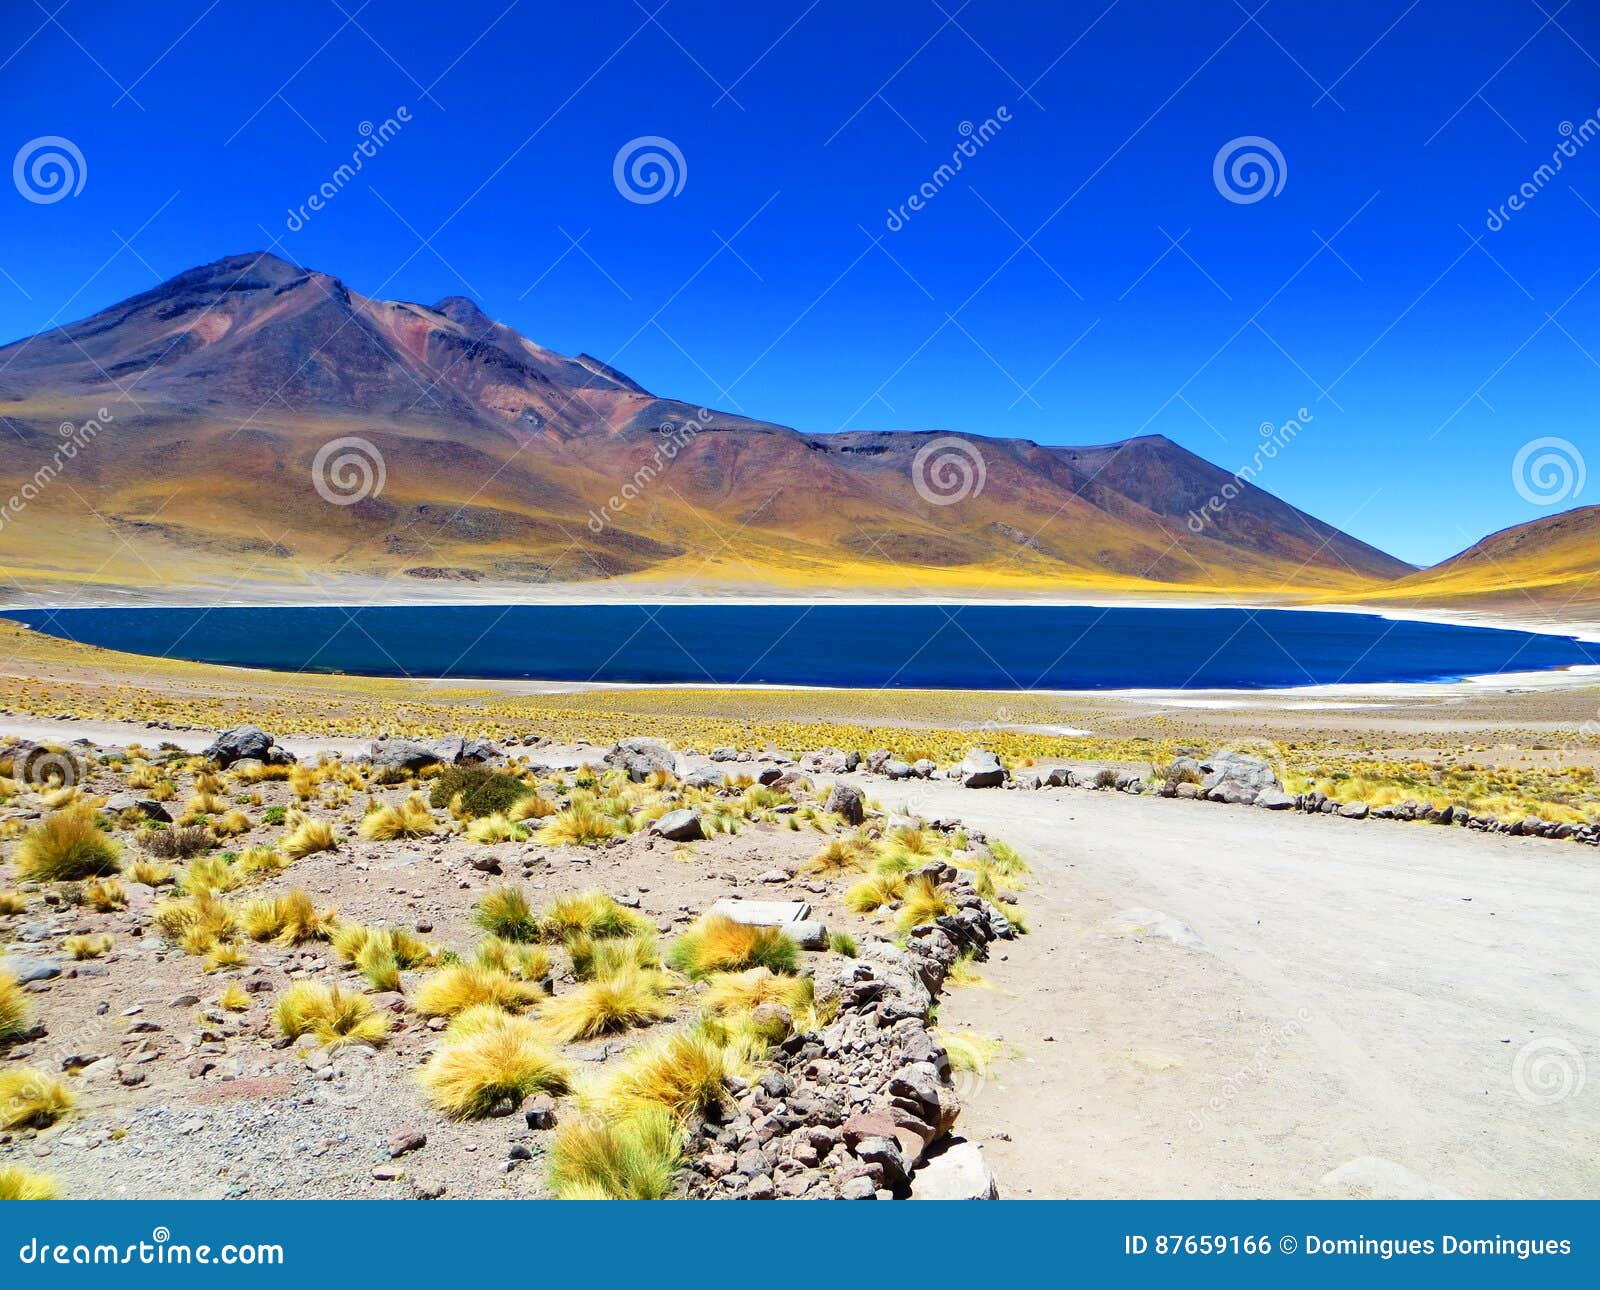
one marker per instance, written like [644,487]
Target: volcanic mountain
[250,425]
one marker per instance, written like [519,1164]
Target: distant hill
[504,463]
[1549,566]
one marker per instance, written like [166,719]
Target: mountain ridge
[497,452]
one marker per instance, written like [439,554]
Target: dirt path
[1359,989]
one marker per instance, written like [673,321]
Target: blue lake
[1000,647]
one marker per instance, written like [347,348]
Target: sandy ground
[1359,989]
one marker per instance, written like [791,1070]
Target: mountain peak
[462,310]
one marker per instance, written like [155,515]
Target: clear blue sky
[771,284]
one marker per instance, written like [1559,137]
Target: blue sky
[1038,293]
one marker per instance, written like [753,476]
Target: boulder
[641,758]
[148,807]
[981,769]
[682,825]
[1235,778]
[1275,799]
[846,801]
[1354,810]
[897,769]
[957,1173]
[704,777]
[411,754]
[239,743]
[23,969]
[808,933]
[922,768]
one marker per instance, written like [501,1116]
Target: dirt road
[1421,995]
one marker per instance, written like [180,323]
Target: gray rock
[809,934]
[1354,810]
[957,1173]
[411,754]
[641,757]
[682,825]
[26,969]
[858,1188]
[981,769]
[846,801]
[922,768]
[896,769]
[540,1112]
[704,777]
[239,743]
[148,807]
[1235,778]
[1275,799]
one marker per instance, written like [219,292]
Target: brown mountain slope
[1547,566]
[506,462]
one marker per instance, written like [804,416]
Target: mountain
[1546,566]
[504,462]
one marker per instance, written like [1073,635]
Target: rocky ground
[177,1095]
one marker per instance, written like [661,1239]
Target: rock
[1027,779]
[640,758]
[724,754]
[760,1188]
[26,969]
[980,768]
[704,777]
[922,768]
[1354,810]
[957,1173]
[540,1112]
[477,751]
[239,743]
[1187,791]
[808,933]
[1235,778]
[1375,1178]
[897,769]
[1058,777]
[1274,799]
[148,807]
[764,913]
[830,761]
[845,801]
[888,1154]
[409,754]
[682,825]
[858,1188]
[427,1190]
[1152,922]
[406,1139]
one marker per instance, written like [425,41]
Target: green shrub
[482,791]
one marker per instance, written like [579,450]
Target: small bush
[331,1015]
[104,894]
[719,944]
[308,837]
[31,1099]
[494,1059]
[458,987]
[635,997]
[67,846]
[177,843]
[289,919]
[924,901]
[592,913]
[683,1072]
[597,957]
[17,1183]
[524,962]
[86,947]
[843,943]
[632,1158]
[506,913]
[16,1013]
[482,791]
[410,819]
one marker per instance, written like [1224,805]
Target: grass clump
[579,824]
[384,952]
[17,1183]
[13,902]
[719,944]
[235,998]
[197,923]
[591,913]
[632,1158]
[480,791]
[524,962]
[923,901]
[454,989]
[969,1051]
[874,892]
[307,836]
[104,894]
[843,943]
[839,856]
[411,819]
[682,1073]
[634,997]
[31,1099]
[148,873]
[289,919]
[67,846]
[506,913]
[735,992]
[178,843]
[16,1014]
[87,947]
[331,1015]
[492,1059]
[597,957]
